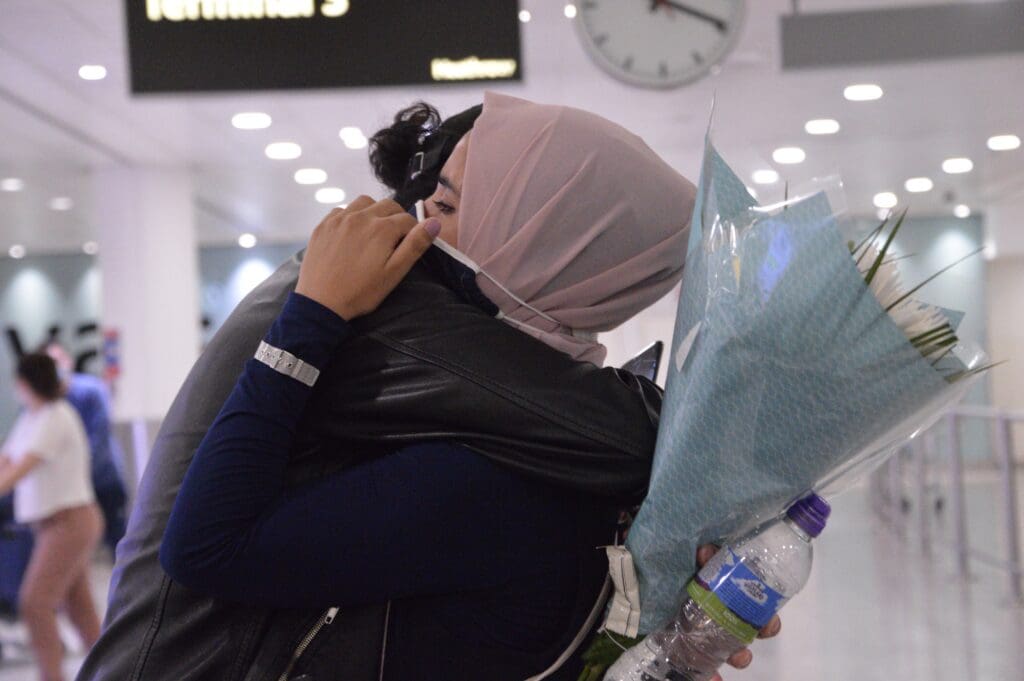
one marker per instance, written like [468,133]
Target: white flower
[913,317]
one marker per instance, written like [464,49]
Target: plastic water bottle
[733,596]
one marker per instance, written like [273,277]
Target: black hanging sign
[215,45]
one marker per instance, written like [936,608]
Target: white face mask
[476,269]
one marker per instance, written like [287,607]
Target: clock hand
[720,24]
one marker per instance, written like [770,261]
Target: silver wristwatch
[286,363]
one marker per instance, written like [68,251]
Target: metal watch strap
[286,363]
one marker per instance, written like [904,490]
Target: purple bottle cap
[810,514]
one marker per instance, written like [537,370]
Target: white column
[149,264]
[1003,226]
[1005,286]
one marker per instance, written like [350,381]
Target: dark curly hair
[39,371]
[417,129]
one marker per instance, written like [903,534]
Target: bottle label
[719,614]
[740,590]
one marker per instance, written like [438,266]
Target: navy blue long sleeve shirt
[497,555]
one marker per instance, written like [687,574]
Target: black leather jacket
[426,365]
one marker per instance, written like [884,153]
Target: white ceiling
[55,127]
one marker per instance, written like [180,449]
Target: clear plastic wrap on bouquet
[786,375]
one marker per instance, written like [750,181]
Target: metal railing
[920,457]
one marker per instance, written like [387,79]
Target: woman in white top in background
[46,461]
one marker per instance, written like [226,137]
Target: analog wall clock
[659,43]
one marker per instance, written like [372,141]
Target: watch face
[659,43]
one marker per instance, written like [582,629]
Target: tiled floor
[876,609]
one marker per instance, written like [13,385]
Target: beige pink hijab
[575,215]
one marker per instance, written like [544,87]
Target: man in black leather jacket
[429,364]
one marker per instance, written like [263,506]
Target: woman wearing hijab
[569,225]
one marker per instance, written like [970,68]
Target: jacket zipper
[306,640]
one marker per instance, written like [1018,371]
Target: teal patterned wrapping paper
[785,375]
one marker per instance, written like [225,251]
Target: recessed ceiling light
[92,72]
[916,185]
[310,176]
[789,155]
[822,126]
[956,166]
[766,176]
[863,92]
[1003,142]
[885,200]
[962,211]
[61,203]
[330,195]
[353,137]
[283,151]
[525,16]
[251,120]
[570,11]
[247,240]
[16,251]
[90,248]
[12,184]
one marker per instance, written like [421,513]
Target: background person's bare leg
[65,540]
[81,608]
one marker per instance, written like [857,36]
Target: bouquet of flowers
[798,361]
